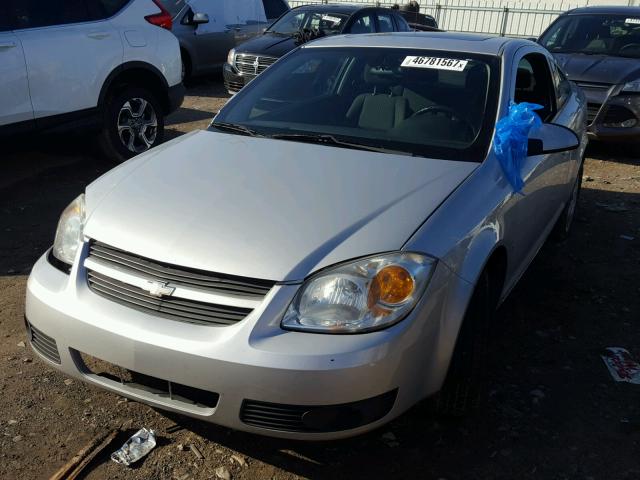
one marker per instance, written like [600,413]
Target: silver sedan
[331,250]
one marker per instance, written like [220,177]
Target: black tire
[186,66]
[114,146]
[562,228]
[463,384]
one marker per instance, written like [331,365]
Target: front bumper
[234,81]
[249,365]
[614,116]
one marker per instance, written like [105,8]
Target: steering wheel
[452,114]
[630,46]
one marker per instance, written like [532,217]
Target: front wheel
[133,123]
[562,227]
[462,386]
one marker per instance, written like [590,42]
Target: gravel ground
[552,410]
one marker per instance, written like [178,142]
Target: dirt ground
[552,410]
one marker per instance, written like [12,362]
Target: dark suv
[300,25]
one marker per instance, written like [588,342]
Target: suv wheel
[133,123]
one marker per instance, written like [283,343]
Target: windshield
[327,22]
[417,102]
[617,35]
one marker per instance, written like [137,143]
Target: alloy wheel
[137,125]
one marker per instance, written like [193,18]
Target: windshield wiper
[235,128]
[326,139]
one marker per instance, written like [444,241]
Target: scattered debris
[27,360]
[627,237]
[196,451]
[628,426]
[390,439]
[622,367]
[223,473]
[21,344]
[12,422]
[180,447]
[17,438]
[174,428]
[78,463]
[68,382]
[239,459]
[141,443]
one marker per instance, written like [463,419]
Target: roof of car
[334,7]
[447,41]
[606,10]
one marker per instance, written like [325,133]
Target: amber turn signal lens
[391,285]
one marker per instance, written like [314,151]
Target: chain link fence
[514,18]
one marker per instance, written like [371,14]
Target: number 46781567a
[437,63]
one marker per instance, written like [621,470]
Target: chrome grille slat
[246,63]
[187,277]
[177,309]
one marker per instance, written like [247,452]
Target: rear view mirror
[552,138]
[199,19]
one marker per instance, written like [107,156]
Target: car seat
[383,108]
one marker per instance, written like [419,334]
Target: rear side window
[36,13]
[4,19]
[101,9]
[111,7]
[274,8]
[385,23]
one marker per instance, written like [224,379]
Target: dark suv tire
[133,123]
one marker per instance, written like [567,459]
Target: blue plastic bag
[511,140]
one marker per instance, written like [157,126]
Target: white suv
[107,65]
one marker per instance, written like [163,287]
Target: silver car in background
[208,29]
[329,252]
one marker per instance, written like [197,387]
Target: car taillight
[162,19]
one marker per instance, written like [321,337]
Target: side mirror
[552,138]
[532,39]
[199,19]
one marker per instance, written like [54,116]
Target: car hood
[263,208]
[598,68]
[269,45]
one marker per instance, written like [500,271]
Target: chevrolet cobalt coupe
[329,252]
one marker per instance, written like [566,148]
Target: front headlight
[69,232]
[632,87]
[368,294]
[231,57]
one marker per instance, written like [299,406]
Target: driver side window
[535,85]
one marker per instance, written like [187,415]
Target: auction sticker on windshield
[632,21]
[435,63]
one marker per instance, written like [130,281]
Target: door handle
[4,45]
[99,35]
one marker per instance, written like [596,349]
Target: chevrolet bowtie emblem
[159,289]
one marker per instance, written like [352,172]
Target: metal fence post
[437,13]
[505,18]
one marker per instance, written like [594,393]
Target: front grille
[617,114]
[146,384]
[180,309]
[43,344]
[178,276]
[248,64]
[592,112]
[594,86]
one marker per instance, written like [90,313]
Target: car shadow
[619,152]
